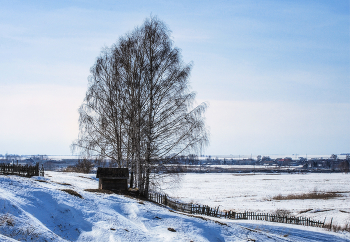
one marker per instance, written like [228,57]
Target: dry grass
[7,219]
[72,192]
[337,228]
[282,212]
[99,191]
[311,195]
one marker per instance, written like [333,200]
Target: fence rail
[26,170]
[215,212]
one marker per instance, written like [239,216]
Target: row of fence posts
[21,170]
[215,212]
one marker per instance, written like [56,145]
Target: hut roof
[116,173]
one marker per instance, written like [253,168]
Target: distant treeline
[186,163]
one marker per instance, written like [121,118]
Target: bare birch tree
[138,111]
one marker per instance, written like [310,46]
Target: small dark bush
[282,212]
[82,166]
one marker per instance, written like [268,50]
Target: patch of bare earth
[99,191]
[87,178]
[63,183]
[72,192]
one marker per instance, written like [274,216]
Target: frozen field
[254,192]
[36,209]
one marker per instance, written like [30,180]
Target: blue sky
[276,74]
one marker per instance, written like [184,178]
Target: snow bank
[33,209]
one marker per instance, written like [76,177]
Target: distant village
[194,163]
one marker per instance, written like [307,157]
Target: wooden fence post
[205,209]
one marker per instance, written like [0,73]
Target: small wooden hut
[114,179]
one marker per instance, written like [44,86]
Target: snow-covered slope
[39,210]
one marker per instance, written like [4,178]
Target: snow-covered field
[31,210]
[254,192]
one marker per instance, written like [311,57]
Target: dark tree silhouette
[138,110]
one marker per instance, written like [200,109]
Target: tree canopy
[138,111]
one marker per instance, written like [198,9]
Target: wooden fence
[215,212]
[26,170]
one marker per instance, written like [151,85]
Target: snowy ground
[254,192]
[39,211]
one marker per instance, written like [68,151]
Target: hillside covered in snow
[45,209]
